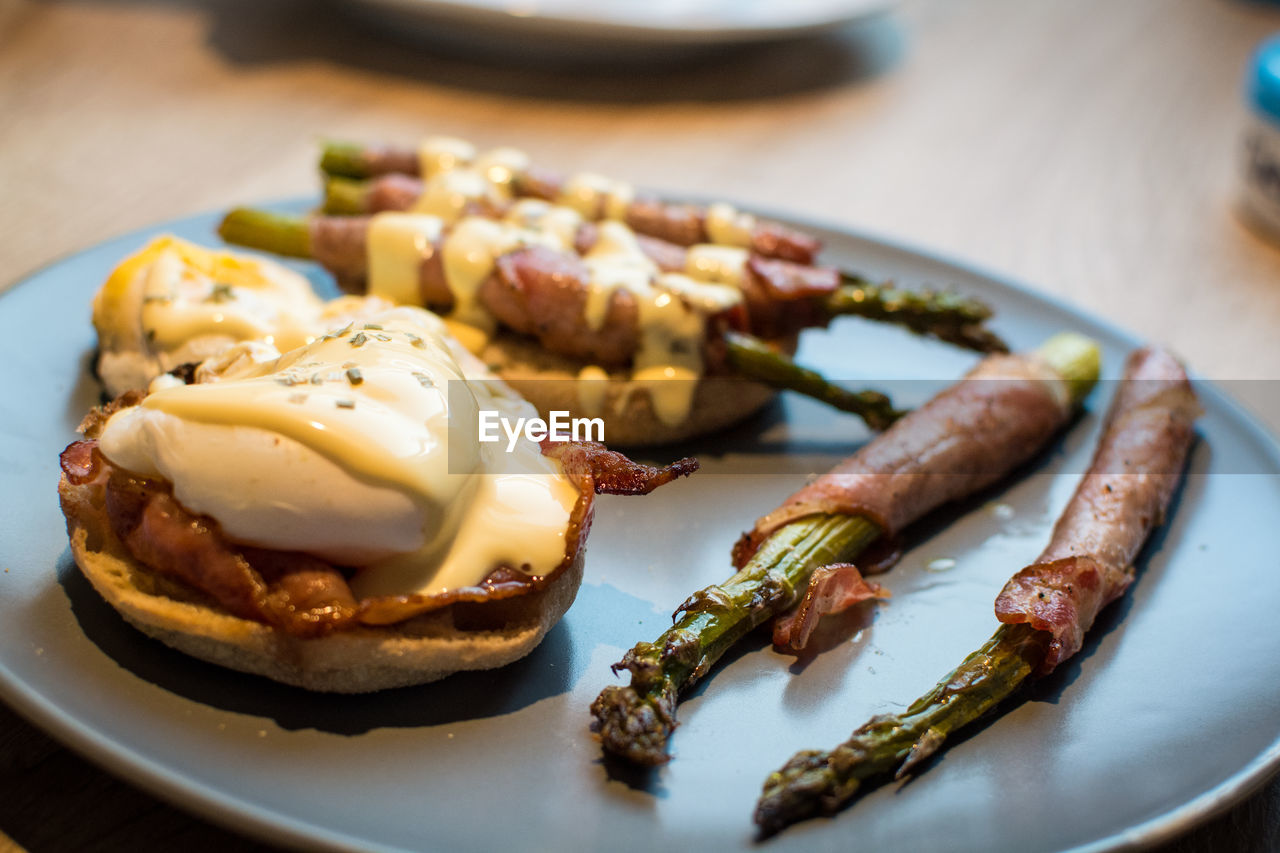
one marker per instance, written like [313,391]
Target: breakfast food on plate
[539,293]
[566,313]
[1045,609]
[448,178]
[668,321]
[967,437]
[443,171]
[706,242]
[174,303]
[329,517]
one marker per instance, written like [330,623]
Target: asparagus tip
[801,789]
[343,158]
[1077,358]
[344,196]
[280,233]
[635,727]
[945,315]
[755,359]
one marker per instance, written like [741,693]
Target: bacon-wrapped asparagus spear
[780,297]
[598,198]
[965,438]
[541,292]
[941,314]
[553,283]
[1045,609]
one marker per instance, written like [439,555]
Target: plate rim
[628,30]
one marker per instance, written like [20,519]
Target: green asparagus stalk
[820,782]
[344,196]
[343,159]
[278,233]
[636,721]
[945,315]
[754,358]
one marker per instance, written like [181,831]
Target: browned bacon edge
[965,438]
[832,589]
[304,596]
[683,224]
[1122,498]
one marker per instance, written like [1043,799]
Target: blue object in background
[1260,155]
[1264,80]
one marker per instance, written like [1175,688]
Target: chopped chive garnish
[359,339]
[220,293]
[346,404]
[354,376]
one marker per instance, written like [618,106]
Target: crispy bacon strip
[592,466]
[1122,498]
[302,595]
[832,589]
[967,437]
[543,292]
[295,592]
[82,464]
[682,224]
[98,416]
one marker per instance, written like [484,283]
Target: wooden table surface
[1084,147]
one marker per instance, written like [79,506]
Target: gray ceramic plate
[1171,711]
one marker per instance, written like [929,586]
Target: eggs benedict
[327,516]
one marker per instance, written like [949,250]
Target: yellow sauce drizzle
[381,436]
[592,387]
[439,154]
[596,197]
[672,311]
[375,399]
[729,227]
[501,166]
[448,194]
[719,264]
[396,247]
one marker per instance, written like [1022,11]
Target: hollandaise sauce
[672,307]
[343,448]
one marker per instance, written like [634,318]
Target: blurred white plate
[587,25]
